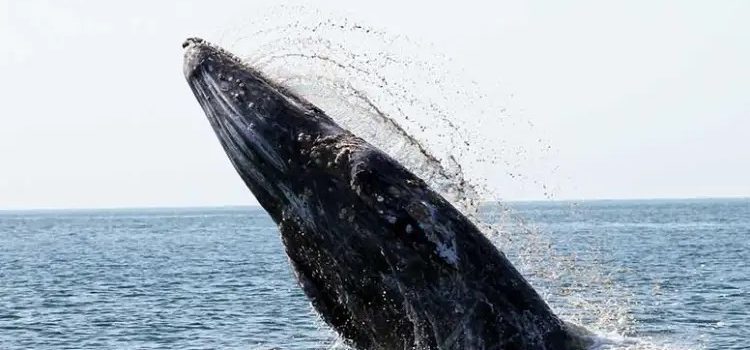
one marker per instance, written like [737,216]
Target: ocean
[674,273]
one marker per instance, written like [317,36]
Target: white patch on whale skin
[447,252]
[443,237]
[344,151]
[299,204]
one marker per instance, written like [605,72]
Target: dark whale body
[386,261]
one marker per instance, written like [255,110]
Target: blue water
[218,278]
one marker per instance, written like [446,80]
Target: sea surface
[218,278]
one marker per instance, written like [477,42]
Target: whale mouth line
[231,126]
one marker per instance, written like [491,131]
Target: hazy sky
[640,98]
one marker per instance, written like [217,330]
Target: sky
[641,99]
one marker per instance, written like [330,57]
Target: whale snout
[191,41]
[198,51]
[194,55]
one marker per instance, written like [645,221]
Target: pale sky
[641,99]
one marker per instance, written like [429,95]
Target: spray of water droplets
[409,100]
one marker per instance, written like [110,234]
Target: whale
[386,261]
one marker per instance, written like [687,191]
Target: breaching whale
[385,260]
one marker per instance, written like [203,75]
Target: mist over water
[413,102]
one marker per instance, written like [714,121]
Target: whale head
[262,127]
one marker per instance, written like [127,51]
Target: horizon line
[258,206]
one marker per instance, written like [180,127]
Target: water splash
[407,99]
